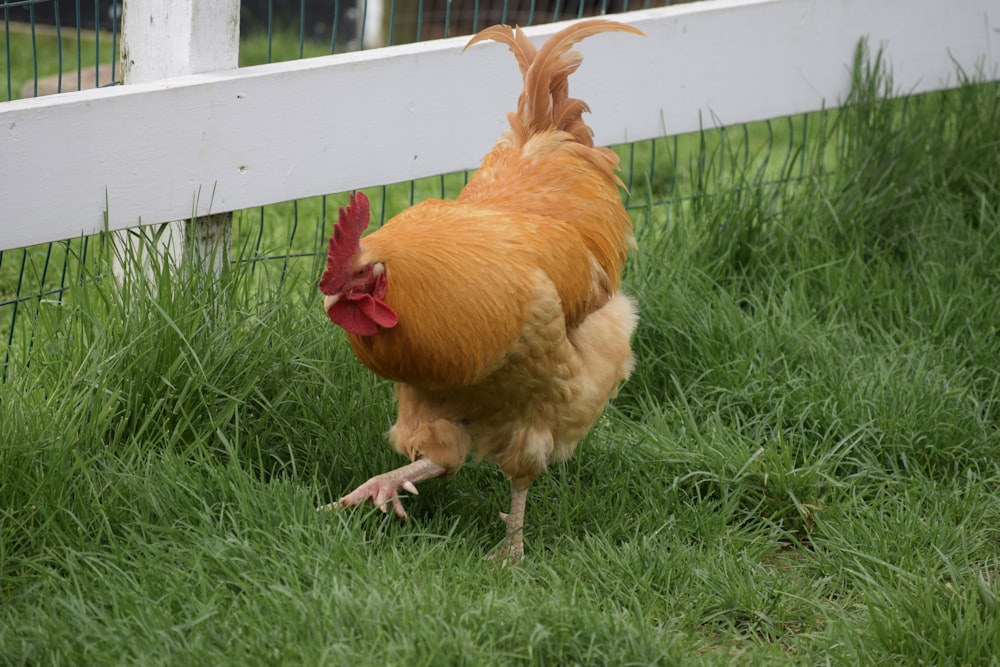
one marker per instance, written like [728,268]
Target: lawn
[802,470]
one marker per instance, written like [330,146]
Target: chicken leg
[384,489]
[511,552]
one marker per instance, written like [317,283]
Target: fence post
[168,38]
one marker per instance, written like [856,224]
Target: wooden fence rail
[206,143]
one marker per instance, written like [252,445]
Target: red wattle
[362,315]
[378,312]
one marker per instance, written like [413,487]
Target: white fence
[174,148]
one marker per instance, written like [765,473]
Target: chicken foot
[511,552]
[384,489]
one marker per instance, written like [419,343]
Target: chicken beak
[329,301]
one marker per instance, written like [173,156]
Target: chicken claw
[383,489]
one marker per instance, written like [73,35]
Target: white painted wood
[222,141]
[372,12]
[169,38]
[163,39]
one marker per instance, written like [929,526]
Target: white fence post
[162,39]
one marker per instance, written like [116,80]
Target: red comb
[344,243]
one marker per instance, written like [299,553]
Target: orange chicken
[498,315]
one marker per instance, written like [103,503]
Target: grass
[802,470]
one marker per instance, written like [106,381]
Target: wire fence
[56,45]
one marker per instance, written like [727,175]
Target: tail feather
[568,115]
[545,103]
[546,164]
[519,45]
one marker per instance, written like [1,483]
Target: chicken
[499,315]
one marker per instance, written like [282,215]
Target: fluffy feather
[510,331]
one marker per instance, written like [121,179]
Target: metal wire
[283,236]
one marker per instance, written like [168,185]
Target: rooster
[498,315]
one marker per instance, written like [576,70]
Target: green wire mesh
[53,46]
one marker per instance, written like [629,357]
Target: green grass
[803,469]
